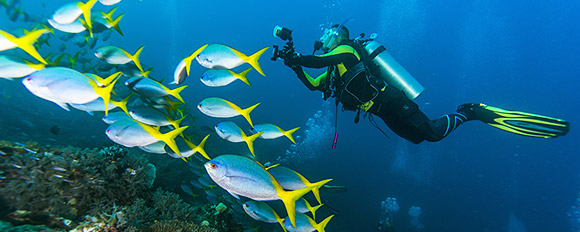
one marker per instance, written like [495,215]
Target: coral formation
[100,189]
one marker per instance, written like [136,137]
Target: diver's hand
[292,59]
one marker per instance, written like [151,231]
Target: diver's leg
[435,130]
[400,114]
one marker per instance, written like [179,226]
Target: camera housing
[284,34]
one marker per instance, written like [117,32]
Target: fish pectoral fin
[234,195]
[62,105]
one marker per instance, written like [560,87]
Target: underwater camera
[285,34]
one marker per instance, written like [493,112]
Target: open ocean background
[520,55]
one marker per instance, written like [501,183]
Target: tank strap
[377,51]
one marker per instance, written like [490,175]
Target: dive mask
[328,38]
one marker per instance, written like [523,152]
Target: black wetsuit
[400,113]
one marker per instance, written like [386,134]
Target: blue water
[511,54]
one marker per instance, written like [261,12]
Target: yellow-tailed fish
[303,206]
[272,131]
[13,67]
[94,106]
[74,27]
[115,116]
[153,117]
[292,180]
[223,77]
[221,108]
[67,13]
[233,133]
[182,70]
[116,55]
[242,176]
[63,85]
[219,56]
[26,42]
[129,133]
[261,211]
[306,224]
[198,148]
[155,148]
[109,2]
[150,88]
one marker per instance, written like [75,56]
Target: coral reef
[178,225]
[70,182]
[99,189]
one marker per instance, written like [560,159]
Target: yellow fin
[312,209]
[123,104]
[242,75]
[289,198]
[168,138]
[105,92]
[250,140]
[279,220]
[174,92]
[189,59]
[86,8]
[316,185]
[288,133]
[272,166]
[115,23]
[109,15]
[199,148]
[320,226]
[26,42]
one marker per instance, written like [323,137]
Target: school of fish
[142,112]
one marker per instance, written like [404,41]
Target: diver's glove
[292,59]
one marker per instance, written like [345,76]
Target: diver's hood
[330,35]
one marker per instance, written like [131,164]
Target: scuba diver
[365,78]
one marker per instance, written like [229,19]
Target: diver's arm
[342,54]
[310,82]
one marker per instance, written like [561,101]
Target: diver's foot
[469,111]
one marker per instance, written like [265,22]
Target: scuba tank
[391,71]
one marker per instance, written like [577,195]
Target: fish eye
[199,105]
[108,131]
[246,205]
[213,166]
[28,79]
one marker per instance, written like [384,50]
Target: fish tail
[246,113]
[200,148]
[146,73]
[109,15]
[242,75]
[35,66]
[26,42]
[86,8]
[316,189]
[279,220]
[250,140]
[175,93]
[189,59]
[135,58]
[168,138]
[253,60]
[289,198]
[320,226]
[105,93]
[115,23]
[123,104]
[288,134]
[175,123]
[313,209]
